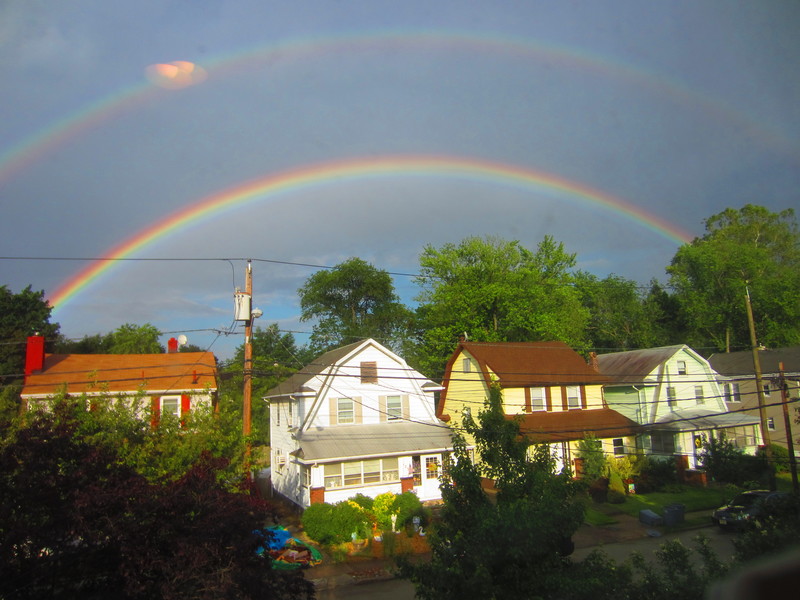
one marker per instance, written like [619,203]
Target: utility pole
[248,364]
[788,423]
[762,410]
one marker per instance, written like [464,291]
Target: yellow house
[557,394]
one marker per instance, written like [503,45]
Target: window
[345,411]
[369,372]
[277,407]
[357,472]
[619,447]
[698,394]
[289,418]
[431,467]
[681,367]
[538,398]
[766,389]
[307,476]
[573,397]
[671,397]
[171,405]
[771,423]
[662,442]
[466,365]
[394,407]
[732,393]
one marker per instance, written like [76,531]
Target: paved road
[393,589]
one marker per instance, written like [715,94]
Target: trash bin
[673,514]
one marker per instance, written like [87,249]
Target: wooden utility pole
[248,368]
[762,409]
[788,423]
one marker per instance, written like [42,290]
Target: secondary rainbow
[355,169]
[30,150]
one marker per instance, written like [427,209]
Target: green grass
[693,499]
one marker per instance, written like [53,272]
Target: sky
[196,134]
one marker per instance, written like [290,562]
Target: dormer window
[369,372]
[681,367]
[573,397]
[345,411]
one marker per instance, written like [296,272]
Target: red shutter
[564,401]
[583,397]
[155,406]
[528,407]
[185,407]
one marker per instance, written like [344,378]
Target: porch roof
[352,442]
[694,419]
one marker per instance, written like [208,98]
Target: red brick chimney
[172,346]
[34,354]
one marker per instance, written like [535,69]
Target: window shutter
[564,401]
[357,410]
[583,397]
[405,411]
[548,398]
[186,404]
[369,372]
[155,408]
[382,410]
[528,406]
[334,411]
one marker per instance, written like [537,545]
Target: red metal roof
[575,424]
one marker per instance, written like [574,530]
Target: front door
[430,468]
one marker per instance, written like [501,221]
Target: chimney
[593,361]
[172,346]
[34,354]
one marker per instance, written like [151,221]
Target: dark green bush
[409,506]
[655,474]
[726,463]
[318,523]
[616,497]
[335,524]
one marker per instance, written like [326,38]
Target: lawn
[693,499]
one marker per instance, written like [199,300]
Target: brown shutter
[549,398]
[528,406]
[357,406]
[334,411]
[564,401]
[369,372]
[382,413]
[583,397]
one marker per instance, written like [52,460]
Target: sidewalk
[358,570]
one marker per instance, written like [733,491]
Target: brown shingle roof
[532,363]
[173,372]
[575,424]
[633,366]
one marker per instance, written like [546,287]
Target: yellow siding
[514,401]
[465,389]
[594,396]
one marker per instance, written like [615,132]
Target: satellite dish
[182,340]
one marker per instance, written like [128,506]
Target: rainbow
[358,169]
[28,151]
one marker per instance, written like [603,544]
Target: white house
[675,394]
[356,420]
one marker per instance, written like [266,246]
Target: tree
[511,548]
[494,290]
[75,522]
[135,339]
[619,318]
[352,301]
[747,249]
[21,315]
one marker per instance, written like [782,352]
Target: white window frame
[619,448]
[571,405]
[289,415]
[682,367]
[176,413]
[394,408]
[538,402]
[350,474]
[672,396]
[699,394]
[732,392]
[340,410]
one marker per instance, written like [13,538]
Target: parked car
[745,507]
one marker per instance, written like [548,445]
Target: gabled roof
[693,419]
[634,366]
[95,373]
[296,382]
[520,364]
[549,427]
[732,364]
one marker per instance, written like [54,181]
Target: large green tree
[746,249]
[125,339]
[512,547]
[352,301]
[494,290]
[21,315]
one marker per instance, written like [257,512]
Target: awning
[355,442]
[699,419]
